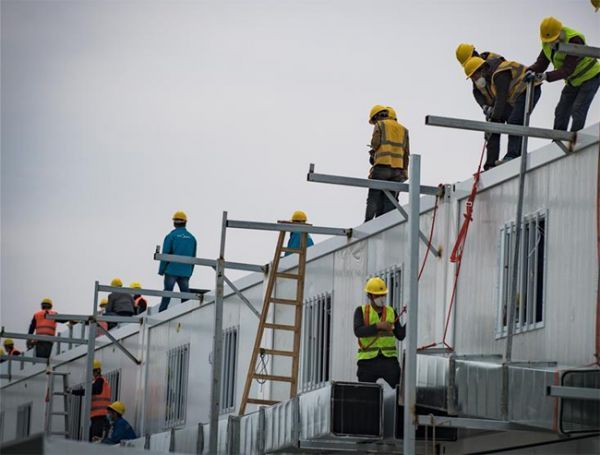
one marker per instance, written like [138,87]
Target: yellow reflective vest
[491,57]
[393,144]
[369,347]
[517,83]
[587,68]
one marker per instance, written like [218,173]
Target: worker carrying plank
[377,327]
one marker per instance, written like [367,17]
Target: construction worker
[294,242]
[464,52]
[103,324]
[120,429]
[596,5]
[182,243]
[506,81]
[141,304]
[377,328]
[9,345]
[581,74]
[388,156]
[42,326]
[101,398]
[119,303]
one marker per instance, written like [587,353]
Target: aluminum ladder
[51,392]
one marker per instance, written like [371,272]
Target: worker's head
[376,290]
[299,217]
[136,285]
[596,4]
[9,344]
[476,69]
[97,368]
[391,113]
[103,303]
[464,52]
[550,29]
[116,283]
[115,410]
[46,303]
[378,112]
[179,218]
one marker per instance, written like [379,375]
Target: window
[23,421]
[114,380]
[316,341]
[529,309]
[229,368]
[177,379]
[74,409]
[393,280]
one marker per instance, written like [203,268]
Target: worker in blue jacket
[120,429]
[294,242]
[180,243]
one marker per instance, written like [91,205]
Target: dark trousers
[575,103]
[184,286]
[383,367]
[377,202]
[99,425]
[513,115]
[112,325]
[43,349]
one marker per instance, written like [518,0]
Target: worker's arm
[360,329]
[166,249]
[376,138]
[479,96]
[541,64]
[399,329]
[407,152]
[32,326]
[568,68]
[96,388]
[502,82]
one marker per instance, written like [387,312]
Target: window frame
[227,401]
[176,386]
[22,433]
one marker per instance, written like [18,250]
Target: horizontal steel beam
[51,339]
[366,183]
[19,358]
[578,50]
[578,393]
[476,424]
[209,262]
[119,319]
[500,128]
[103,317]
[69,317]
[151,292]
[288,227]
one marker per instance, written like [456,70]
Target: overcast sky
[117,113]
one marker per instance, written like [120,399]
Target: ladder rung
[59,413]
[270,377]
[291,276]
[291,328]
[291,250]
[277,352]
[259,401]
[284,301]
[60,433]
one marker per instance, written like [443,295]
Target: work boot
[506,159]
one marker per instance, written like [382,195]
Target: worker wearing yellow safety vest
[377,328]
[581,74]
[464,52]
[506,82]
[388,155]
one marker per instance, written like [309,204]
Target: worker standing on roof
[377,328]
[482,95]
[294,242]
[581,74]
[120,429]
[506,81]
[119,303]
[101,398]
[179,242]
[141,304]
[388,156]
[42,326]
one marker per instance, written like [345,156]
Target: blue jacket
[120,430]
[181,243]
[294,241]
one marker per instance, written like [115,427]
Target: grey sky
[115,114]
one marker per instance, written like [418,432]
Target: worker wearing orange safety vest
[101,399]
[389,157]
[464,52]
[141,304]
[42,326]
[377,328]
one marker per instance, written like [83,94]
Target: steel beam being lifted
[208,262]
[578,50]
[288,227]
[578,393]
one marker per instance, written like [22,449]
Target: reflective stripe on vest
[140,299]
[44,326]
[494,61]
[102,400]
[394,142]
[587,67]
[369,347]
[517,82]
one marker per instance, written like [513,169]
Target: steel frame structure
[579,50]
[578,393]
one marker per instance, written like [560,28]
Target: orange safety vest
[104,325]
[44,326]
[140,299]
[102,400]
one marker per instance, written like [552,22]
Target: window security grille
[230,349]
[316,341]
[529,309]
[23,421]
[177,380]
[393,280]
[74,411]
[114,380]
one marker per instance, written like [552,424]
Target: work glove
[29,344]
[538,77]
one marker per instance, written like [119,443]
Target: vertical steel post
[217,354]
[87,397]
[410,373]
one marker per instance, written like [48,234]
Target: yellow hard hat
[104,302]
[464,52]
[116,283]
[299,215]
[596,4]
[391,113]
[472,65]
[179,215]
[2,352]
[47,301]
[136,285]
[118,407]
[9,342]
[376,110]
[550,28]
[376,286]
[97,364]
